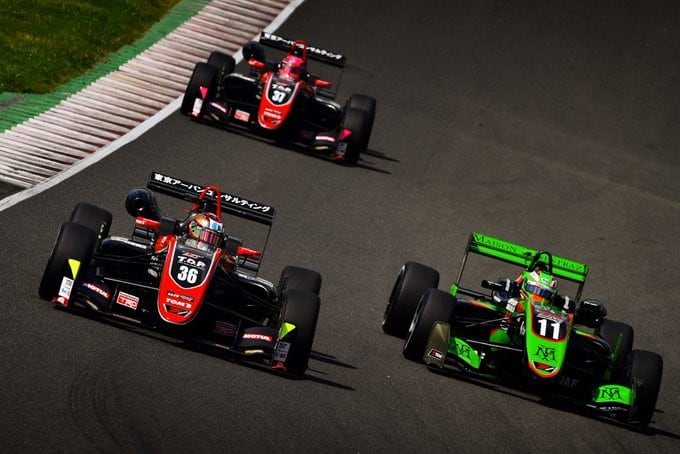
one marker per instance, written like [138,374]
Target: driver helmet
[292,67]
[539,286]
[206,228]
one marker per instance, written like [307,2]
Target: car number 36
[186,274]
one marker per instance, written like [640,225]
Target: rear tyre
[204,75]
[368,104]
[413,280]
[94,218]
[296,278]
[356,120]
[611,331]
[300,309]
[224,63]
[435,306]
[75,243]
[646,369]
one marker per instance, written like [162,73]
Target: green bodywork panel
[464,352]
[521,255]
[607,394]
[547,356]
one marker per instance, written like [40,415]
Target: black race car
[186,278]
[282,101]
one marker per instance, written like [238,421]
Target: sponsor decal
[546,353]
[224,329]
[281,353]
[179,295]
[285,88]
[127,300]
[610,393]
[191,261]
[549,315]
[241,115]
[463,350]
[433,353]
[65,287]
[315,50]
[98,290]
[255,336]
[227,198]
[178,303]
[198,104]
[568,382]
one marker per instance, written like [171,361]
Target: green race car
[521,332]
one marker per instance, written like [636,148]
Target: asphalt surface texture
[550,125]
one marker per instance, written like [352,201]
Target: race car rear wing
[523,256]
[314,53]
[231,204]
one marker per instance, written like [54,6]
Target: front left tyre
[646,369]
[435,306]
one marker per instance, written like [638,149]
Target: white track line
[120,107]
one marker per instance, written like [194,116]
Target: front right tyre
[70,258]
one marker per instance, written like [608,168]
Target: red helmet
[206,228]
[292,67]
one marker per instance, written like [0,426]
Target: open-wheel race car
[521,332]
[186,278]
[282,101]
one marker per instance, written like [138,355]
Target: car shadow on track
[220,353]
[554,404]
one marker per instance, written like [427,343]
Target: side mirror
[320,83]
[256,64]
[590,313]
[232,245]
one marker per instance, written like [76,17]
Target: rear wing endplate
[231,204]
[314,53]
[516,254]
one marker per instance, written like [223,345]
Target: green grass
[45,43]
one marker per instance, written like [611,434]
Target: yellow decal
[285,329]
[75,266]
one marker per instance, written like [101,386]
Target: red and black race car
[186,278]
[282,101]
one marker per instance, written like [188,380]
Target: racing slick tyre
[95,218]
[224,63]
[646,369]
[413,280]
[435,306]
[611,331]
[204,75]
[296,278]
[75,242]
[300,309]
[356,120]
[368,104]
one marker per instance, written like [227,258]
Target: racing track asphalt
[551,126]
